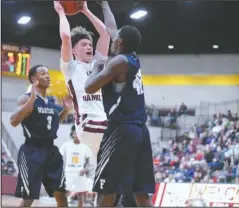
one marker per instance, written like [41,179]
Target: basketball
[72,7]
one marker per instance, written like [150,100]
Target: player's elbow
[106,37]
[89,89]
[65,36]
[13,121]
[105,33]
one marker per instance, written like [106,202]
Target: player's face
[75,137]
[42,75]
[116,43]
[83,50]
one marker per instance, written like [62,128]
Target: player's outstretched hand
[33,90]
[58,7]
[67,102]
[84,7]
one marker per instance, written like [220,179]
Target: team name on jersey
[92,98]
[46,110]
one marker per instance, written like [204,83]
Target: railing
[205,112]
[10,144]
[207,108]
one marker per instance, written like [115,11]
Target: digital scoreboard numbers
[15,60]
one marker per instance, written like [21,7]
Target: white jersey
[76,74]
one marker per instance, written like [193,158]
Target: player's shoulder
[71,61]
[23,98]
[121,58]
[133,60]
[118,64]
[66,144]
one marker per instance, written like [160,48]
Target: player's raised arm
[102,45]
[109,19]
[66,47]
[24,107]
[99,77]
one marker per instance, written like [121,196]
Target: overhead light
[215,46]
[170,47]
[24,20]
[139,14]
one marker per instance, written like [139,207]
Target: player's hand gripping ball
[72,7]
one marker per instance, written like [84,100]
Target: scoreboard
[15,60]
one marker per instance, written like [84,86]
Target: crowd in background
[208,153]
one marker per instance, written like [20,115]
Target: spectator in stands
[155,120]
[229,114]
[7,165]
[182,109]
[4,158]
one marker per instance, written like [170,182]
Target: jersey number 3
[49,120]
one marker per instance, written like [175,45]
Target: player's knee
[143,200]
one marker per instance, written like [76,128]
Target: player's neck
[76,142]
[81,60]
[41,92]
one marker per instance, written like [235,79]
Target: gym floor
[11,201]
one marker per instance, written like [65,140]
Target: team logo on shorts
[22,190]
[102,183]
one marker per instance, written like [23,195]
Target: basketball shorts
[125,161]
[36,166]
[91,134]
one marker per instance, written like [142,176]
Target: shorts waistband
[39,143]
[126,123]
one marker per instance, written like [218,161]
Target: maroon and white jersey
[88,107]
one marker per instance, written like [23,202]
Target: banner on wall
[214,195]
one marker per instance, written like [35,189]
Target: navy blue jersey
[124,102]
[43,123]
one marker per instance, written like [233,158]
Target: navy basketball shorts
[125,161]
[37,166]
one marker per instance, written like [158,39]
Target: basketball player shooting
[124,162]
[39,161]
[76,64]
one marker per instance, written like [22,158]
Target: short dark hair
[79,33]
[131,38]
[32,71]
